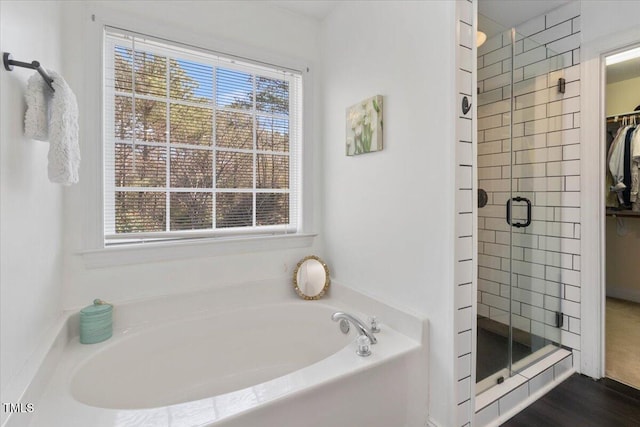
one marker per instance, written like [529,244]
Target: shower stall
[520,191]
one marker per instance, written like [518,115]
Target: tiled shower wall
[546,169]
[465,230]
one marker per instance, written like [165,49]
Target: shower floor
[493,351]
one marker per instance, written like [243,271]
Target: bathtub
[274,363]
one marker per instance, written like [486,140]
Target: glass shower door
[533,208]
[520,194]
[493,360]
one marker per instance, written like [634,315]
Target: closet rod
[34,65]
[620,115]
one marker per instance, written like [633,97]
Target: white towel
[64,150]
[36,119]
[53,116]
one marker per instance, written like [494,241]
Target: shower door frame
[512,109]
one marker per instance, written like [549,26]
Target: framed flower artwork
[364,126]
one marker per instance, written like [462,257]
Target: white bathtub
[209,356]
[275,364]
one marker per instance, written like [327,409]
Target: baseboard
[621,388]
[624,293]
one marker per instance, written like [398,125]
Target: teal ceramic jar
[96,322]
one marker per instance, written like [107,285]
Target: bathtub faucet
[362,329]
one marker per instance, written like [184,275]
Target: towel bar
[9,63]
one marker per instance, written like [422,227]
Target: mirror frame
[327,280]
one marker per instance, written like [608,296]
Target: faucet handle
[374,325]
[364,343]
[344,326]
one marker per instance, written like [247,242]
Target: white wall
[601,18]
[30,206]
[622,267]
[226,25]
[389,215]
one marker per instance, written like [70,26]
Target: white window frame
[94,252]
[295,123]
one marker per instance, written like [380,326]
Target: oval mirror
[311,278]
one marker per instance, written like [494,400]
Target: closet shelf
[623,213]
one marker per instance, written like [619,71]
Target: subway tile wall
[545,168]
[465,308]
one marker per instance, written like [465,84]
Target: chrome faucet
[362,329]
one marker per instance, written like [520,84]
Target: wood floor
[582,402]
[623,341]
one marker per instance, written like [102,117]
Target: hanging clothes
[616,162]
[635,170]
[626,167]
[611,200]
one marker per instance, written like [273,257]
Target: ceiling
[317,9]
[504,13]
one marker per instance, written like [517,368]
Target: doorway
[622,223]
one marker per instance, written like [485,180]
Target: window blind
[197,144]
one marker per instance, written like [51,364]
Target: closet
[623,219]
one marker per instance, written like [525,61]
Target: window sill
[170,251]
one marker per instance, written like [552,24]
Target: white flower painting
[364,126]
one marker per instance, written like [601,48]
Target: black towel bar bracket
[9,63]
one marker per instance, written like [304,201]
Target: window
[197,144]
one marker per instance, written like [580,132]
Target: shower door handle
[519,224]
